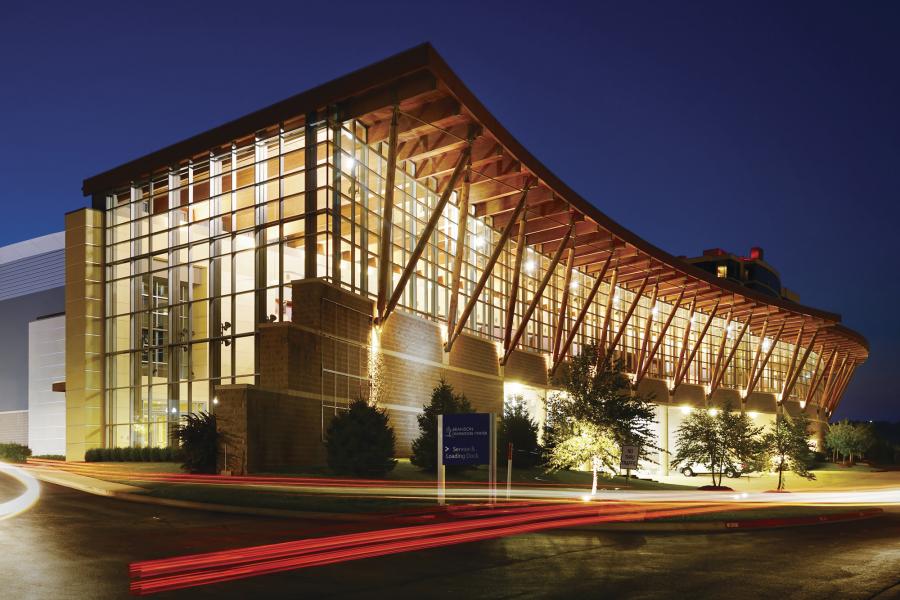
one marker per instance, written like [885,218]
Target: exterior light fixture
[713,412]
[215,401]
[174,410]
[752,414]
[686,410]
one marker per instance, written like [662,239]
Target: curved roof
[438,117]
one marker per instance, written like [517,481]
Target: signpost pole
[509,451]
[441,480]
[492,465]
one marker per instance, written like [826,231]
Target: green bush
[443,402]
[51,456]
[520,429]
[198,439]
[16,453]
[132,454]
[360,442]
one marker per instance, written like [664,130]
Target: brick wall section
[412,335]
[265,430]
[475,354]
[526,367]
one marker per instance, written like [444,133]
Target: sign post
[441,473]
[629,460]
[467,439]
[509,454]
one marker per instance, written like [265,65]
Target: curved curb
[734,526]
[131,494]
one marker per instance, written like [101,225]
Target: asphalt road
[72,545]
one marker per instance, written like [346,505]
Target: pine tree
[443,402]
[518,428]
[360,442]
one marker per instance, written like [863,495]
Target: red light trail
[188,571]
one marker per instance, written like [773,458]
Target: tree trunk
[594,470]
[781,475]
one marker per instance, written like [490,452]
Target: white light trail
[24,501]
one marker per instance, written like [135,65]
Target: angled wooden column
[570,337]
[385,251]
[564,304]
[687,364]
[842,387]
[659,340]
[720,374]
[637,298]
[645,336]
[485,275]
[521,246]
[757,353]
[425,236]
[790,371]
[829,381]
[758,375]
[826,369]
[607,316]
[460,256]
[786,393]
[817,376]
[720,351]
[685,338]
[835,385]
[538,293]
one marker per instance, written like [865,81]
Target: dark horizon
[723,127]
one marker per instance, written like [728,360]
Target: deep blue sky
[696,125]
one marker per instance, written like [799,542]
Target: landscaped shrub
[520,429]
[132,454]
[443,402]
[16,453]
[197,437]
[360,442]
[50,456]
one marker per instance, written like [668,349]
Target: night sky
[696,125]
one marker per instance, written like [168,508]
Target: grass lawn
[285,500]
[405,471]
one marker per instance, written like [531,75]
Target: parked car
[695,469]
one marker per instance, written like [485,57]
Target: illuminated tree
[721,440]
[597,415]
[787,443]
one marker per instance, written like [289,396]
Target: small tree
[198,438]
[360,442]
[598,414]
[601,395]
[721,440]
[518,428]
[787,442]
[862,438]
[443,402]
[838,439]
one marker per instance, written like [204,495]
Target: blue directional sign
[466,439]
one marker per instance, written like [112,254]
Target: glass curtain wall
[199,255]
